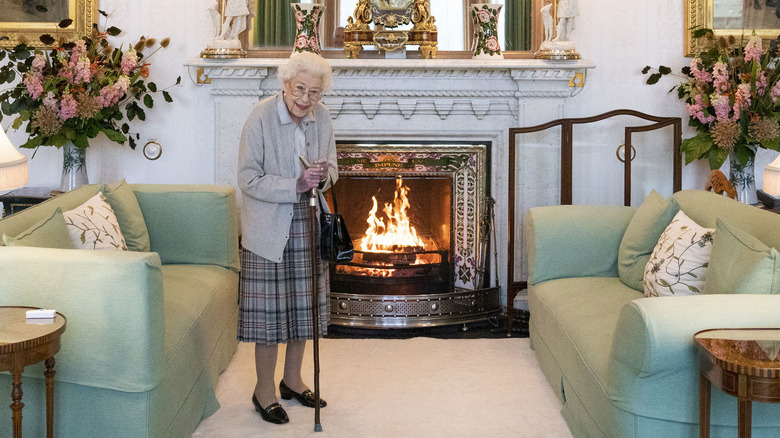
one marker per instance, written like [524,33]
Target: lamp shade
[772,178]
[13,165]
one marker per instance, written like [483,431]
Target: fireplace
[414,214]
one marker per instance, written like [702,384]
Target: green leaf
[17,123]
[695,147]
[125,128]
[113,31]
[178,80]
[65,23]
[693,289]
[773,144]
[646,69]
[148,101]
[664,70]
[81,141]
[717,157]
[152,87]
[653,79]
[167,97]
[33,142]
[114,135]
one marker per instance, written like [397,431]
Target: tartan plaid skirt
[275,300]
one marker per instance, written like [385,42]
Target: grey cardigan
[266,173]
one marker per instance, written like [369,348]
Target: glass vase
[743,178]
[485,17]
[74,167]
[307,22]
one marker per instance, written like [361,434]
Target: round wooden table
[24,342]
[744,363]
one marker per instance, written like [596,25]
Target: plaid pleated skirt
[275,300]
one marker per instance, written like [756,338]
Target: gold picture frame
[29,24]
[726,21]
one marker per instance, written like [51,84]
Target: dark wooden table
[744,363]
[24,342]
[19,199]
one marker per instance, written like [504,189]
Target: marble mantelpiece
[379,100]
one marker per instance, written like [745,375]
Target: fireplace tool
[315,309]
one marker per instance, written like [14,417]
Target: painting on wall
[27,20]
[738,18]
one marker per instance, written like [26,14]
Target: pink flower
[300,16]
[722,107]
[696,110]
[775,92]
[741,98]
[753,49]
[79,50]
[50,101]
[301,42]
[701,76]
[83,71]
[720,75]
[129,61]
[33,84]
[67,107]
[38,62]
[761,84]
[492,44]
[484,15]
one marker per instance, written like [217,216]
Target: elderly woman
[275,300]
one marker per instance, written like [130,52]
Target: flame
[397,233]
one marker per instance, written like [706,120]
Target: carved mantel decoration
[405,100]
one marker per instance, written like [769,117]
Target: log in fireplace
[414,213]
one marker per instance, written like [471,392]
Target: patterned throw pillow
[93,225]
[678,265]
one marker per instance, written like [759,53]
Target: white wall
[620,37]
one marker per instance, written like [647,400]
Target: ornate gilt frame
[700,14]
[82,12]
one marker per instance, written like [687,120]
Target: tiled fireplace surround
[411,101]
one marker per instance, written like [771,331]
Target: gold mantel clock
[391,14]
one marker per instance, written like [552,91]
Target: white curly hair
[307,62]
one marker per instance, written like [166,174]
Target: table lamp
[13,165]
[770,196]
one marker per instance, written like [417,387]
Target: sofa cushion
[51,232]
[741,264]
[642,233]
[128,213]
[191,207]
[93,225]
[17,223]
[678,265]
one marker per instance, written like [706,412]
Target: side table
[24,343]
[744,363]
[19,199]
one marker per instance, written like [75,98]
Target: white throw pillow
[678,265]
[93,225]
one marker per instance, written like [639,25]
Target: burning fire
[397,234]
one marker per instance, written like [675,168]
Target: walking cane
[313,244]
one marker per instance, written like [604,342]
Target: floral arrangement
[730,92]
[75,90]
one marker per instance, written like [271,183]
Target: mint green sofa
[624,365]
[147,332]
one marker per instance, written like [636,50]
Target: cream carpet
[420,387]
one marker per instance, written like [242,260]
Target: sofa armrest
[191,224]
[113,302]
[653,352]
[574,240]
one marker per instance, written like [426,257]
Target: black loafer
[274,413]
[305,398]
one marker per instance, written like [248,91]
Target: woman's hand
[313,176]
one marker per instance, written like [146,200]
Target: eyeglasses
[299,91]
